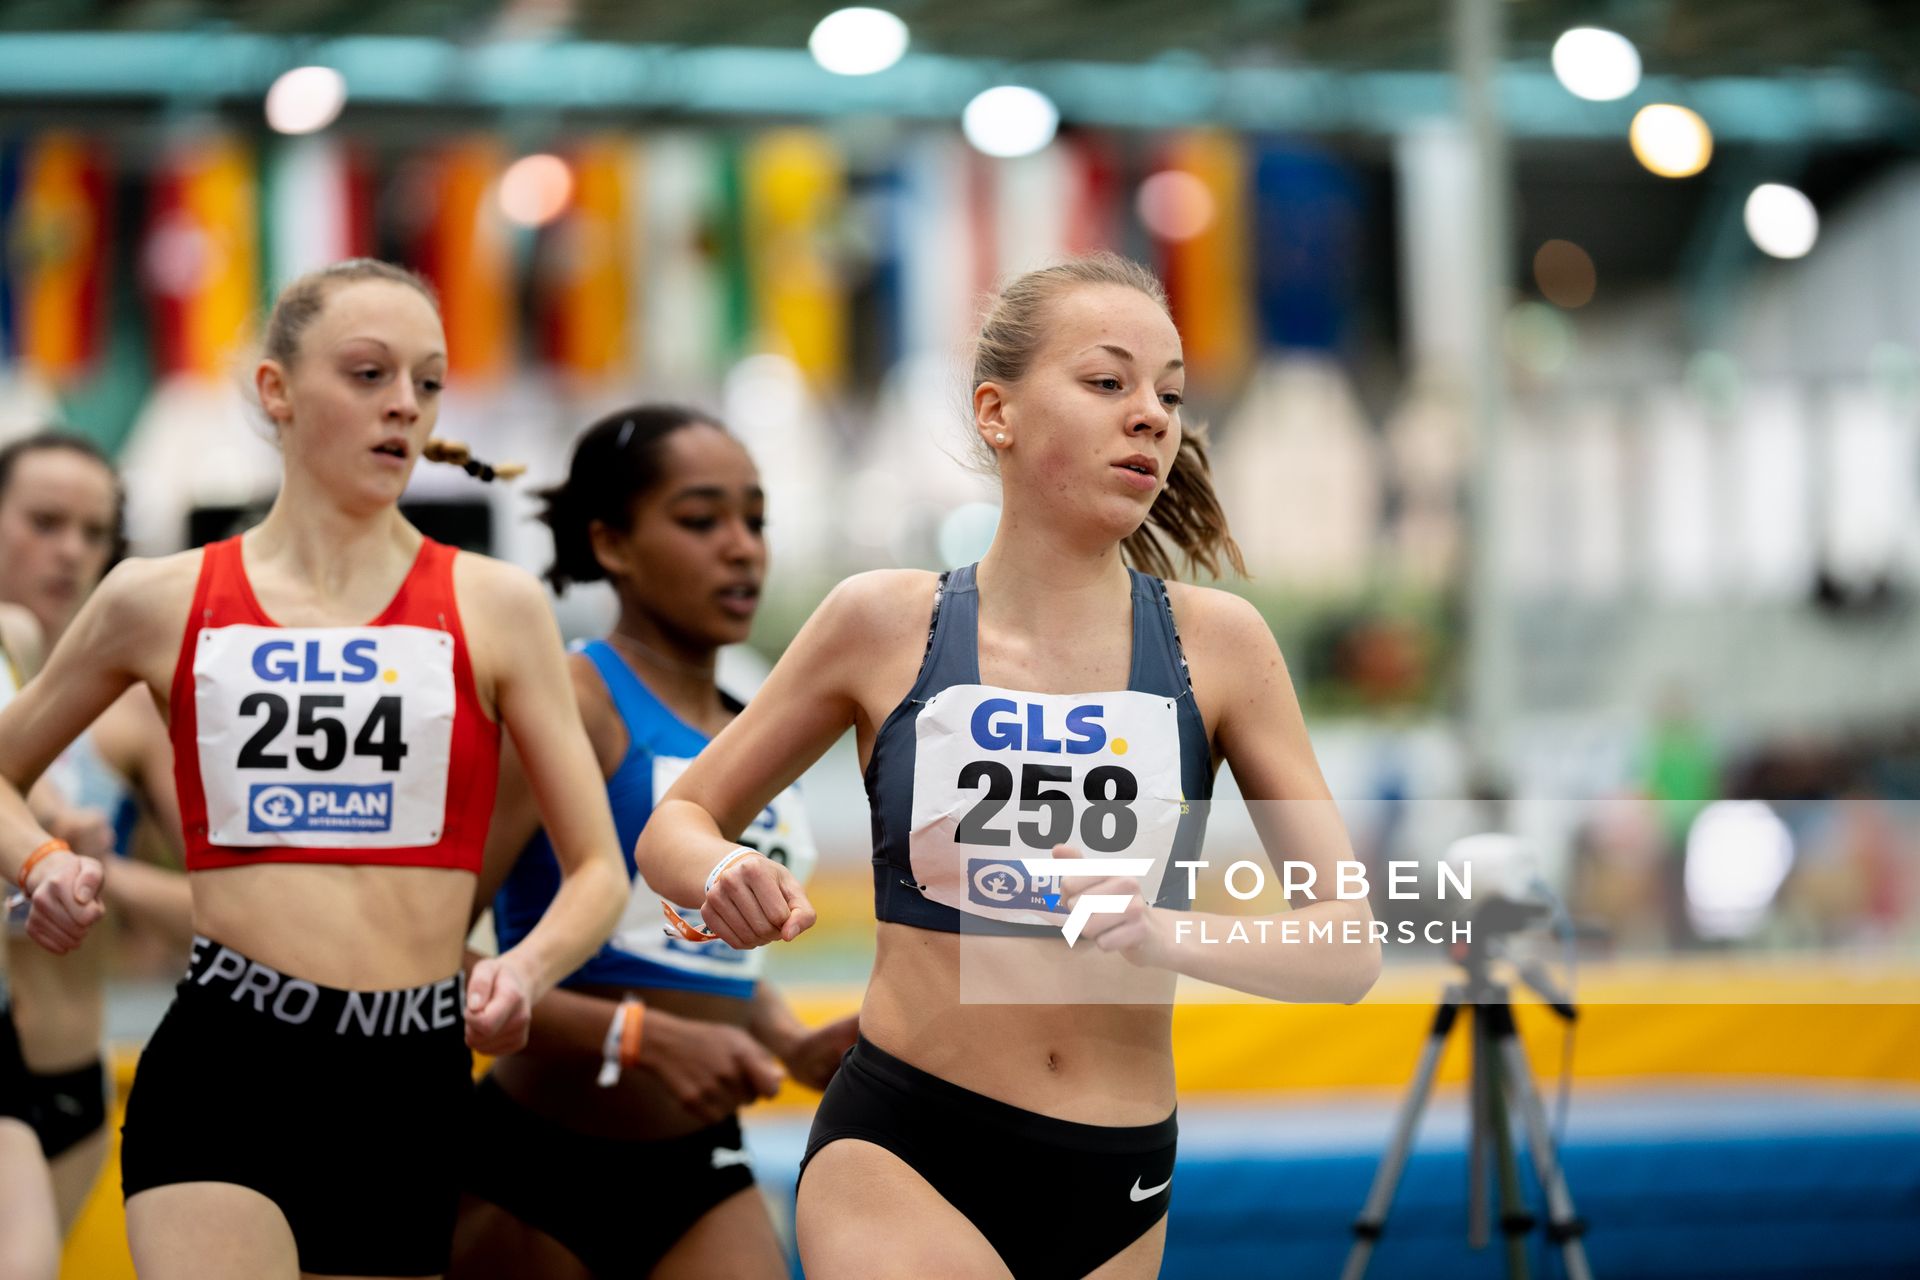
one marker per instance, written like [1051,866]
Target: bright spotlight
[1174,205]
[1782,221]
[306,100]
[858,41]
[1738,855]
[1671,141]
[535,190]
[1010,121]
[1595,64]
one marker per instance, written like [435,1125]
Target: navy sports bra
[967,779]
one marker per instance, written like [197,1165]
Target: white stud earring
[1000,437]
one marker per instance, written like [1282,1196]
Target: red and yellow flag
[467,255]
[1209,276]
[587,302]
[58,245]
[201,255]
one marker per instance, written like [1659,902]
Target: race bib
[780,832]
[999,775]
[324,737]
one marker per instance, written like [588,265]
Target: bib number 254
[325,733]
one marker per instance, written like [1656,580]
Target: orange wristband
[34,859]
[636,1013]
[678,926]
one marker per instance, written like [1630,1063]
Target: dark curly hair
[616,461]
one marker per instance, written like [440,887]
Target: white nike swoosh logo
[725,1157]
[1140,1193]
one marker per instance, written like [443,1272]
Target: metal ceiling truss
[599,78]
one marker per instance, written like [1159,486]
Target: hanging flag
[200,257]
[1056,203]
[683,303]
[57,240]
[1306,229]
[467,254]
[1208,273]
[874,276]
[318,206]
[933,226]
[982,195]
[1033,198]
[726,240]
[10,150]
[1097,199]
[795,192]
[586,266]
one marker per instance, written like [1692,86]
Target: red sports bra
[363,745]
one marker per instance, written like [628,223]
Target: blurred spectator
[1680,774]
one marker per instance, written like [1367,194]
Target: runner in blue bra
[1038,704]
[647,1175]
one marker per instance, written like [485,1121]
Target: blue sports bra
[641,953]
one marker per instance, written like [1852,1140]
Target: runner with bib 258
[1048,702]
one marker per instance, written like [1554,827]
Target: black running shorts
[347,1109]
[617,1205]
[1054,1197]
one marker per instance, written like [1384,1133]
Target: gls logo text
[1001,724]
[283,660]
[1088,905]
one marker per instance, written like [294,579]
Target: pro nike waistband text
[432,1007]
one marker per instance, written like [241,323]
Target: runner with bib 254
[335,685]
[1009,1106]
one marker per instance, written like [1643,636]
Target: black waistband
[980,1109]
[430,1009]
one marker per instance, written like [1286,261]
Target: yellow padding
[97,1248]
[1764,1019]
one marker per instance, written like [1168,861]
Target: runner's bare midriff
[59,1003]
[1092,1063]
[357,928]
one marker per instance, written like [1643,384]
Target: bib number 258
[378,736]
[1107,824]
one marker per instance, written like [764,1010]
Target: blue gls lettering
[361,666]
[1037,739]
[275,661]
[315,673]
[1092,735]
[996,736]
[998,726]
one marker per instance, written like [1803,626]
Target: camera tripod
[1500,1079]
